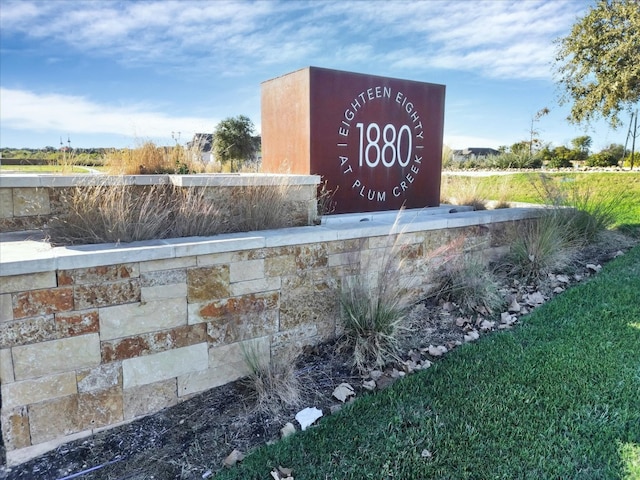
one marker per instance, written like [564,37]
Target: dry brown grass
[114,212]
[148,158]
[274,382]
[264,206]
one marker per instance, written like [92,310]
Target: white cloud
[25,110]
[493,38]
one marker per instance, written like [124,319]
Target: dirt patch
[192,439]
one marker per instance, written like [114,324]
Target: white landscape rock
[534,299]
[308,416]
[343,391]
[288,429]
[487,325]
[369,385]
[471,336]
[514,306]
[437,351]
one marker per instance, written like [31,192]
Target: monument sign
[376,141]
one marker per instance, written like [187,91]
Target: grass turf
[557,397]
[519,187]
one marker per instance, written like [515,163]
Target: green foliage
[582,145]
[598,62]
[233,142]
[636,160]
[602,159]
[561,157]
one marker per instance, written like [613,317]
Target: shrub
[508,160]
[560,162]
[602,159]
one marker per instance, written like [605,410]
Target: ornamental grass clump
[375,304]
[112,214]
[265,205]
[274,381]
[543,246]
[469,283]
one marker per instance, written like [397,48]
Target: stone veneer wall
[27,202]
[94,336]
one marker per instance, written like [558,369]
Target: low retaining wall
[95,336]
[28,202]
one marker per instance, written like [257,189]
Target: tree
[233,142]
[582,145]
[597,62]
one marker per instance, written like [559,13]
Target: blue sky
[109,73]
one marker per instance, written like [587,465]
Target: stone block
[28,202]
[42,302]
[167,264]
[32,281]
[6,203]
[159,292]
[98,275]
[15,428]
[311,299]
[71,324]
[106,294]
[281,265]
[232,307]
[135,319]
[164,365]
[102,377]
[211,259]
[163,277]
[16,457]
[54,418]
[226,364]
[207,283]
[63,355]
[283,342]
[6,367]
[261,285]
[27,330]
[38,390]
[6,308]
[149,343]
[242,327]
[145,399]
[100,408]
[245,271]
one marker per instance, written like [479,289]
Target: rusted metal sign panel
[376,141]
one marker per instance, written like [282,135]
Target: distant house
[474,153]
[202,145]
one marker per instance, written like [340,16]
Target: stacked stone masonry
[92,347]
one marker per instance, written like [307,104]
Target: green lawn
[65,169]
[624,186]
[556,398]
